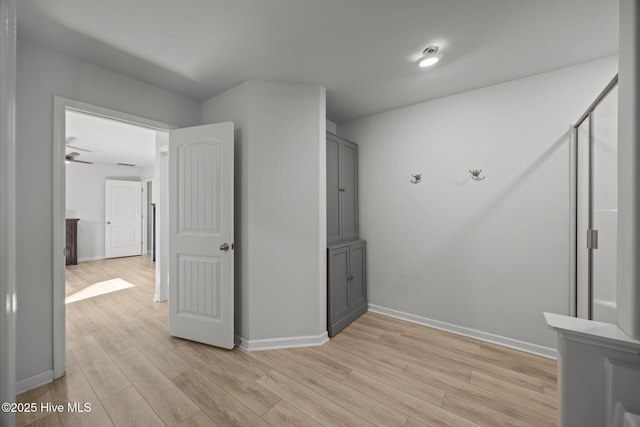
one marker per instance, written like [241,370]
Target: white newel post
[7,208]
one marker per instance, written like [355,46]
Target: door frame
[8,313]
[145,216]
[60,106]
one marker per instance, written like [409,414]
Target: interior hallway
[378,371]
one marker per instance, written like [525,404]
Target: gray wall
[43,73]
[489,255]
[280,181]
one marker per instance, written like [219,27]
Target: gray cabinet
[347,285]
[342,190]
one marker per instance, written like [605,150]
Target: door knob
[224,247]
[108,222]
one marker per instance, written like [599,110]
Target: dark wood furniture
[71,250]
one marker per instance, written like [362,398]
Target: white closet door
[123,218]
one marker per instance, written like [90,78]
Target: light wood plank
[412,406]
[286,415]
[129,409]
[70,358]
[163,357]
[321,365]
[167,400]
[246,390]
[103,375]
[199,419]
[357,402]
[75,388]
[38,396]
[552,393]
[443,419]
[219,405]
[52,420]
[478,413]
[313,404]
[536,398]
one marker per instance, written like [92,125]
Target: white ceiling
[107,141]
[362,51]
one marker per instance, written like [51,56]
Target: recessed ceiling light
[430,57]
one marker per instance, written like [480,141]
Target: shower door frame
[592,234]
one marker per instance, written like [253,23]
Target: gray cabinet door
[342,190]
[357,271]
[347,285]
[339,284]
[334,233]
[349,185]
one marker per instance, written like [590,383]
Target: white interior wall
[232,106]
[148,171]
[42,74]
[488,255]
[280,133]
[85,199]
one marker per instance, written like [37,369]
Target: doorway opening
[109,175]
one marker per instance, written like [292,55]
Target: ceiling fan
[71,157]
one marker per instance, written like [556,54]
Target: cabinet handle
[349,277]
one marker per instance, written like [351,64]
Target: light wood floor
[379,371]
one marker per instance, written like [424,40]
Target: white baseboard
[34,381]
[278,343]
[91,258]
[536,349]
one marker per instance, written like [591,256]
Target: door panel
[201,299]
[357,273]
[339,290]
[123,218]
[605,207]
[333,191]
[349,158]
[582,221]
[597,210]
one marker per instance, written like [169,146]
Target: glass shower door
[605,207]
[597,212]
[584,274]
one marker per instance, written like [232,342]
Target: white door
[123,218]
[201,234]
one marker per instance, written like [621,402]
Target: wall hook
[475,175]
[416,178]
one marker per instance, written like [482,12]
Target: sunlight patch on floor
[99,288]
